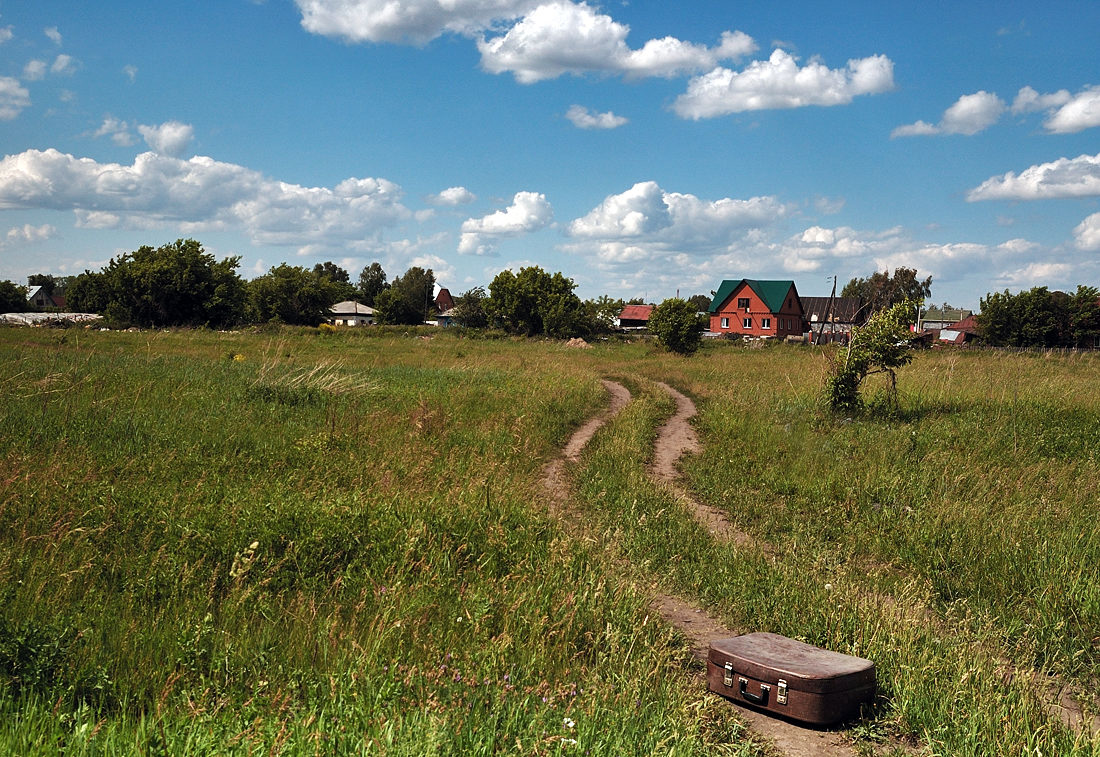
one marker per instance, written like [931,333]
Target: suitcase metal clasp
[727,674]
[781,692]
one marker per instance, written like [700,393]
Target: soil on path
[674,438]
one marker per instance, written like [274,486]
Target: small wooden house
[755,308]
[635,316]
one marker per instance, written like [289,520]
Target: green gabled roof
[771,292]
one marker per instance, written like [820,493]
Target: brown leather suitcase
[789,678]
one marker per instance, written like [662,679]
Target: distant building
[940,318]
[444,301]
[37,296]
[756,308]
[635,316]
[350,313]
[832,320]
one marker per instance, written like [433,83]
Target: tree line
[180,284]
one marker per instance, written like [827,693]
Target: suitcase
[785,677]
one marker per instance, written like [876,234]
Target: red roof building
[635,316]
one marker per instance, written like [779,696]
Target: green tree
[1035,317]
[13,298]
[408,300]
[1084,316]
[177,284]
[372,282]
[342,288]
[44,280]
[677,326]
[290,294]
[534,302]
[700,302]
[883,290]
[470,309]
[602,312]
[879,346]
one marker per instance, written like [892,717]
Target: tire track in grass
[673,439]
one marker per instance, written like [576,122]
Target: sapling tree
[880,346]
[677,326]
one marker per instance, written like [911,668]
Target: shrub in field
[677,325]
[878,347]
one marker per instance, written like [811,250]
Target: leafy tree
[882,291]
[700,302]
[1084,316]
[470,309]
[535,302]
[879,346]
[44,280]
[602,312]
[177,284]
[408,299]
[677,325]
[342,288]
[372,282]
[1033,318]
[13,298]
[290,294]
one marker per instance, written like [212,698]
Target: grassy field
[298,542]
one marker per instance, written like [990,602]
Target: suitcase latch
[781,692]
[727,674]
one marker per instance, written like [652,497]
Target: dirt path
[674,438]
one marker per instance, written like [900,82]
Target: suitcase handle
[761,698]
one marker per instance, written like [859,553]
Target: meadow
[301,542]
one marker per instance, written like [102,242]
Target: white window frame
[746,323]
[766,323]
[725,323]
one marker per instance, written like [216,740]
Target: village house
[830,319]
[635,316]
[351,313]
[754,308]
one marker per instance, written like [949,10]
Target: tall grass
[242,543]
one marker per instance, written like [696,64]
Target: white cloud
[34,70]
[529,211]
[645,223]
[969,115]
[198,194]
[779,82]
[6,34]
[1036,274]
[583,119]
[442,270]
[1087,233]
[562,37]
[1028,100]
[415,21]
[453,196]
[118,131]
[63,65]
[53,34]
[13,98]
[169,138]
[1077,177]
[130,72]
[1081,112]
[28,233]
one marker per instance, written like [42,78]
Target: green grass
[292,542]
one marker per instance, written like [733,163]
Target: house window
[765,323]
[725,323]
[747,323]
[742,303]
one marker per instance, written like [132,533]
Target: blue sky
[641,148]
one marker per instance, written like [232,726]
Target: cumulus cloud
[1080,112]
[6,34]
[63,65]
[646,223]
[169,138]
[780,82]
[529,211]
[453,196]
[562,37]
[1065,177]
[1087,233]
[583,119]
[1028,100]
[198,194]
[14,97]
[28,233]
[53,34]
[35,70]
[412,21]
[118,131]
[969,115]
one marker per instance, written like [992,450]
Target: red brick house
[756,308]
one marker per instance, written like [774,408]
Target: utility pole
[828,310]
